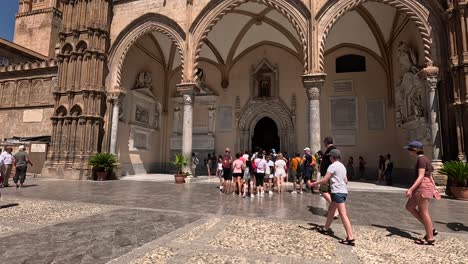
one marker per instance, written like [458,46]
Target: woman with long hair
[421,191]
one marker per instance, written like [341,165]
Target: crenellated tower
[80,96]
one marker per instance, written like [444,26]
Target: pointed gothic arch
[295,11]
[419,12]
[147,23]
[274,109]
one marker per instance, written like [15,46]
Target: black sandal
[434,233]
[348,242]
[324,231]
[424,242]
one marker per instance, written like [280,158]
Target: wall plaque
[38,147]
[225,118]
[376,114]
[343,112]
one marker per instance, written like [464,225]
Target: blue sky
[8,9]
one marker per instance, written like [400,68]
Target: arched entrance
[266,135]
[258,121]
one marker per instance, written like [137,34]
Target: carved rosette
[313,83]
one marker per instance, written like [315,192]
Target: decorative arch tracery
[273,109]
[415,10]
[146,24]
[295,11]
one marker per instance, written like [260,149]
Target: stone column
[431,74]
[313,83]
[188,92]
[115,98]
[460,133]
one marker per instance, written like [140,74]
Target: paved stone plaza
[56,221]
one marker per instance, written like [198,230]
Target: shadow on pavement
[455,226]
[317,210]
[394,231]
[314,227]
[8,205]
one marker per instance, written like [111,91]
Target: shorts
[246,175]
[339,197]
[259,179]
[280,173]
[325,188]
[237,174]
[269,176]
[295,176]
[308,174]
[219,173]
[426,189]
[227,174]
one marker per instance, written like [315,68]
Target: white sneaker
[252,195]
[300,192]
[262,194]
[270,193]
[293,192]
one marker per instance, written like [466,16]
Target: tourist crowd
[265,171]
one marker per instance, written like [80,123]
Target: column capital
[116,95]
[313,83]
[188,92]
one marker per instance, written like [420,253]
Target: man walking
[21,161]
[326,162]
[7,159]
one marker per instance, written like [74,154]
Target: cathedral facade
[145,79]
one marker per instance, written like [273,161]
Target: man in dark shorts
[227,174]
[308,171]
[325,188]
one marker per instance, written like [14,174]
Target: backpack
[254,166]
[314,162]
[226,163]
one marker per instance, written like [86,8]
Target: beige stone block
[33,116]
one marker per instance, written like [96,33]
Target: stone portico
[148,79]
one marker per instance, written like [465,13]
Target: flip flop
[348,242]
[424,242]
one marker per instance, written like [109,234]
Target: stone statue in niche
[144,81]
[211,119]
[410,92]
[157,115]
[410,96]
[200,80]
[176,120]
[264,87]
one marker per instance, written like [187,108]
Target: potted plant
[180,162]
[102,164]
[457,172]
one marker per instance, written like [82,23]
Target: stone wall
[26,101]
[38,30]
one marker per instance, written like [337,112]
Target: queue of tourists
[265,172]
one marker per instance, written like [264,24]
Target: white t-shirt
[280,164]
[338,179]
[261,164]
[220,166]
[8,158]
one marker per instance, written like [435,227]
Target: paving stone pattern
[152,222]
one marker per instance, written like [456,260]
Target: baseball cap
[307,149]
[21,147]
[334,153]
[414,145]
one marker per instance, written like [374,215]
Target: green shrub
[457,171]
[103,161]
[180,162]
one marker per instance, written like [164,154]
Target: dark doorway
[266,135]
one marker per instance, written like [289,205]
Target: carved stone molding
[188,92]
[313,83]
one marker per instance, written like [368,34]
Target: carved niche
[22,94]
[410,95]
[264,80]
